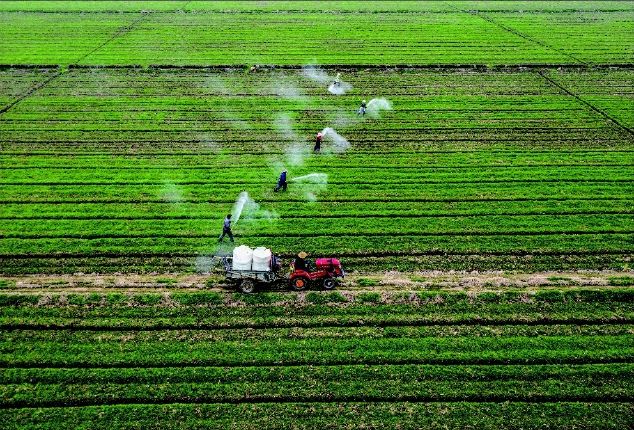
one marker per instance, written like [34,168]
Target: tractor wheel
[299,284]
[247,286]
[329,283]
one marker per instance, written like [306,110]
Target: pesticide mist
[317,74]
[312,184]
[171,193]
[339,87]
[375,106]
[245,207]
[340,143]
[296,150]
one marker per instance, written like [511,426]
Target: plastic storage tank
[242,258]
[261,259]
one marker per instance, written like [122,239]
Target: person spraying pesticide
[226,229]
[318,140]
[362,109]
[281,182]
[337,82]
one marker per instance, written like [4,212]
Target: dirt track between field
[389,281]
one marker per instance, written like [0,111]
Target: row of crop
[409,108]
[195,263]
[428,142]
[300,416]
[355,245]
[147,314]
[431,160]
[227,193]
[410,373]
[321,334]
[23,351]
[320,226]
[409,117]
[73,394]
[439,138]
[342,176]
[295,210]
[435,298]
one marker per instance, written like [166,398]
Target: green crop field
[497,155]
[426,360]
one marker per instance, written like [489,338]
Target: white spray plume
[341,118]
[205,139]
[315,178]
[339,87]
[284,87]
[204,264]
[217,85]
[296,150]
[246,205]
[317,74]
[312,184]
[171,193]
[375,106]
[340,142]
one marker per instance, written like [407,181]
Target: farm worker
[300,262]
[362,108]
[226,229]
[317,147]
[337,80]
[281,182]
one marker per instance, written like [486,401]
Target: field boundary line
[121,32]
[31,91]
[592,107]
[517,33]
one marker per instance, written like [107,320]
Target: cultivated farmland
[502,149]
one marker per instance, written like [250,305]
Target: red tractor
[326,274]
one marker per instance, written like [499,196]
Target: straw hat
[302,255]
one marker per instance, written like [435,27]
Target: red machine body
[326,273]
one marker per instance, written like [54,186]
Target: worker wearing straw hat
[300,262]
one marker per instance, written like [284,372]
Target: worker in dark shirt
[318,140]
[226,229]
[281,182]
[362,108]
[300,262]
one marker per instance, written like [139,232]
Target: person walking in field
[318,140]
[281,182]
[337,81]
[362,108]
[226,229]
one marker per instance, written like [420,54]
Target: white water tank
[242,257]
[261,259]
